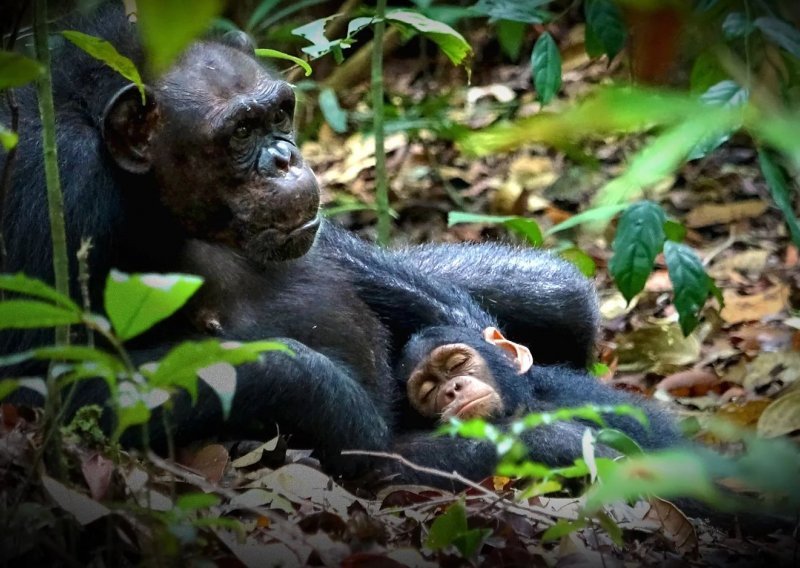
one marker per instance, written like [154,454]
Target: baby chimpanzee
[452,372]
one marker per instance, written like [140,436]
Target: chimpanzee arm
[404,297]
[540,300]
[306,394]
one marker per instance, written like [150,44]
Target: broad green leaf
[666,474]
[274,53]
[452,43]
[579,258]
[599,369]
[447,527]
[640,237]
[510,36]
[546,67]
[609,110]
[469,542]
[604,20]
[610,526]
[780,191]
[689,282]
[195,501]
[780,131]
[736,24]
[8,138]
[592,215]
[136,302]
[334,115]
[167,27]
[314,32]
[34,287]
[668,151]
[130,414]
[22,314]
[221,377]
[674,231]
[17,70]
[108,54]
[357,24]
[284,13]
[264,9]
[7,387]
[706,71]
[781,33]
[527,12]
[725,93]
[563,528]
[618,440]
[180,366]
[528,228]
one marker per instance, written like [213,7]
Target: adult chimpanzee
[205,177]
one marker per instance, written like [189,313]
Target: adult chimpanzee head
[216,134]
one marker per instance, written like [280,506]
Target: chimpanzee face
[217,134]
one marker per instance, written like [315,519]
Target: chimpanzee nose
[276,158]
[452,389]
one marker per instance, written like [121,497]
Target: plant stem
[55,200]
[381,183]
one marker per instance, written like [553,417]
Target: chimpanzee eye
[242,131]
[283,120]
[456,364]
[426,389]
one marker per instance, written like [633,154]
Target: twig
[730,241]
[458,478]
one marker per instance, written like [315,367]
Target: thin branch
[381,179]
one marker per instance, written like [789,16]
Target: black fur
[345,307]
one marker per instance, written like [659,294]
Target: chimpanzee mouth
[311,226]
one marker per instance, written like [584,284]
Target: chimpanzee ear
[128,126]
[240,40]
[520,354]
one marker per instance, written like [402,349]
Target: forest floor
[736,365]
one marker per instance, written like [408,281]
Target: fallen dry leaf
[722,214]
[754,307]
[97,471]
[692,382]
[84,509]
[210,462]
[743,414]
[675,527]
[780,417]
[768,369]
[749,261]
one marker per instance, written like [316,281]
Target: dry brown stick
[457,477]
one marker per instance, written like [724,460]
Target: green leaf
[221,377]
[605,22]
[674,231]
[469,542]
[546,67]
[725,93]
[274,53]
[563,528]
[706,71]
[666,474]
[108,54]
[526,12]
[23,314]
[447,527]
[260,12]
[618,440]
[783,34]
[736,24]
[595,214]
[510,36]
[180,366]
[7,387]
[17,70]
[640,237]
[195,501]
[579,258]
[689,281]
[314,32]
[8,138]
[34,287]
[452,43]
[334,115]
[167,27]
[528,228]
[134,303]
[781,194]
[133,414]
[599,369]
